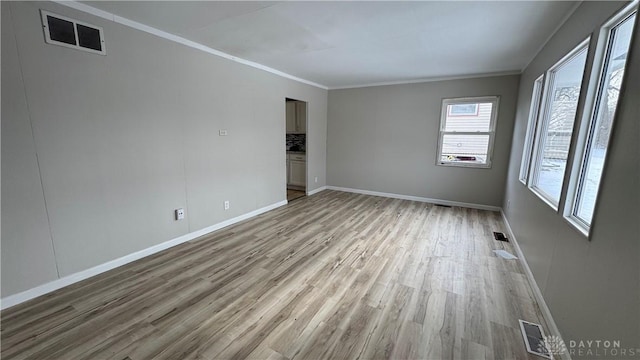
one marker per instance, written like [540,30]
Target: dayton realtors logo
[600,348]
[555,346]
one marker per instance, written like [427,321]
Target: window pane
[468,117]
[607,101]
[558,125]
[531,129]
[467,128]
[463,109]
[465,148]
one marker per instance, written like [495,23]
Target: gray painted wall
[29,259]
[592,287]
[120,141]
[108,150]
[385,138]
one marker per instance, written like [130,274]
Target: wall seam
[184,175]
[35,145]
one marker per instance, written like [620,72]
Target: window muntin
[613,67]
[467,128]
[536,98]
[556,126]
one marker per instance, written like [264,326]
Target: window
[462,109]
[536,97]
[601,120]
[555,127]
[554,107]
[60,30]
[467,128]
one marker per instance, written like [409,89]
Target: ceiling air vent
[60,30]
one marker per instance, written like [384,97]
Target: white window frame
[495,100]
[543,122]
[48,40]
[590,119]
[534,112]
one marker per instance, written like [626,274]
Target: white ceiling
[354,43]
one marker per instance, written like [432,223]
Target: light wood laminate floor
[331,276]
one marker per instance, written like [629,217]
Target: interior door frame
[306,139]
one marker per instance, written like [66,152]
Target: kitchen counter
[297,152]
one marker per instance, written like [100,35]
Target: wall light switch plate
[223,132]
[179,214]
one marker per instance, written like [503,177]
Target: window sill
[574,223]
[542,197]
[464,165]
[578,226]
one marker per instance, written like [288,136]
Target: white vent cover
[63,31]
[534,339]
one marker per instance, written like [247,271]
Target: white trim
[544,119]
[18,298]
[86,8]
[591,118]
[426,80]
[577,225]
[163,34]
[315,191]
[532,125]
[495,101]
[543,196]
[416,198]
[537,293]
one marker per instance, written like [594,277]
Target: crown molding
[425,80]
[175,38]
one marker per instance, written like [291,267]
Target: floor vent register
[535,340]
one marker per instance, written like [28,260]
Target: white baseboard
[546,312]
[21,297]
[416,198]
[315,191]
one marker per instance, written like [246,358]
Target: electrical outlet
[179,214]
[223,132]
[316,179]
[226,205]
[508,204]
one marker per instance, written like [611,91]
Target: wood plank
[333,275]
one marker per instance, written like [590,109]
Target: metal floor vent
[534,339]
[500,236]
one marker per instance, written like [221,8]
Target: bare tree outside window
[557,122]
[602,121]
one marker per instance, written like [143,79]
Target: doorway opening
[296,148]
